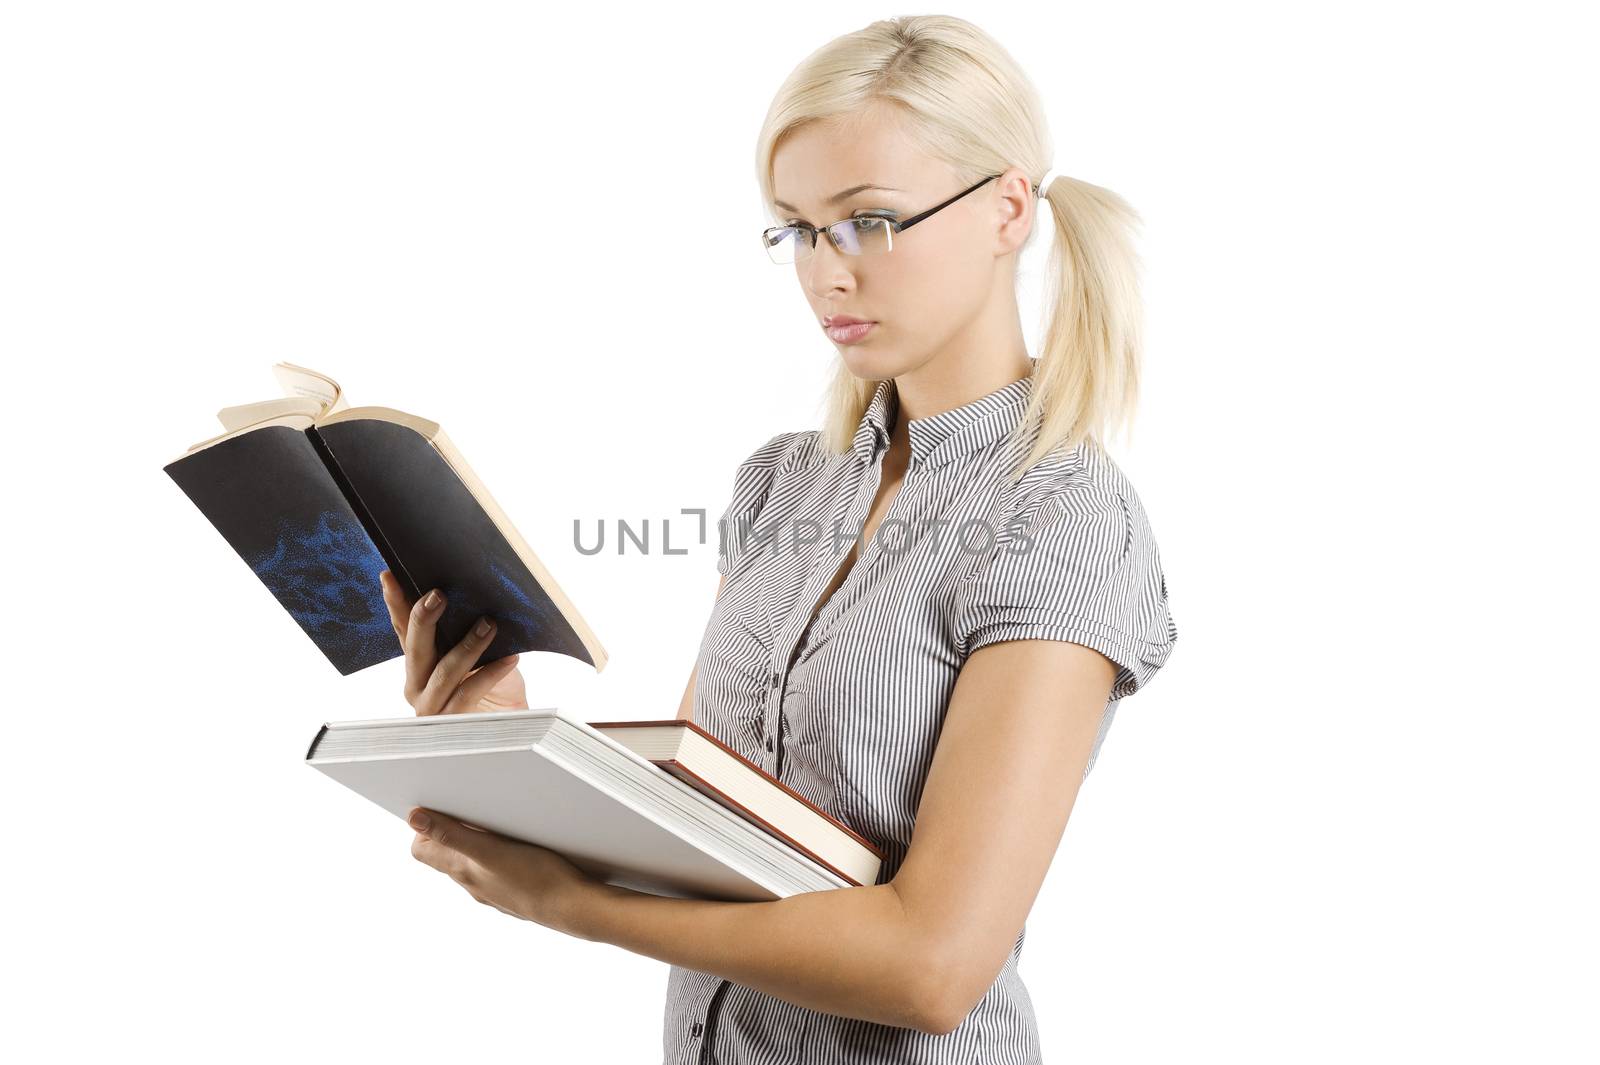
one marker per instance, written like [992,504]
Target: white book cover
[543,776]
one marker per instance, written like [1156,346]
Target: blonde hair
[967,102]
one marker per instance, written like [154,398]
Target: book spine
[321,732]
[363,515]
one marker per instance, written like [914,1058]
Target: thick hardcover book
[318,497]
[545,777]
[714,769]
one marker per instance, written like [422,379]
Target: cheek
[924,295]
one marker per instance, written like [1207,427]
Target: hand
[518,879]
[449,685]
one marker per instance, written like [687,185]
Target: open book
[601,796]
[318,497]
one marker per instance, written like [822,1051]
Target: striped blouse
[846,710]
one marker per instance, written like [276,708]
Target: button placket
[873,553]
[800,623]
[819,580]
[774,700]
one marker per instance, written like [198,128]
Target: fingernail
[432,602]
[483,627]
[419,821]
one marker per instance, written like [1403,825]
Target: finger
[428,852]
[422,653]
[453,668]
[399,604]
[476,687]
[456,836]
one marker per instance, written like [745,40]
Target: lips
[845,329]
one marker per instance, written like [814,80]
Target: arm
[686,704]
[847,951]
[919,951]
[1015,742]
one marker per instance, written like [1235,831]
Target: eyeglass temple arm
[914,219]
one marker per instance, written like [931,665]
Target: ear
[1016,208]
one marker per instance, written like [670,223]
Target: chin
[868,364]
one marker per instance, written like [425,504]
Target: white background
[1353,819]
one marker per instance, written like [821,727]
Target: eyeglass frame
[894,225]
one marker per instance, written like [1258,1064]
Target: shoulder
[782,451]
[1076,561]
[1080,494]
[768,465]
[759,478]
[771,461]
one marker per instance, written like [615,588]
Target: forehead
[821,158]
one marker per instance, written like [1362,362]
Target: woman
[949,588]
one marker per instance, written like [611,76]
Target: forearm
[846,951]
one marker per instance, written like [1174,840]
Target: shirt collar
[941,437]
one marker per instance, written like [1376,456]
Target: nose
[827,269]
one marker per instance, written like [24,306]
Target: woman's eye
[863,213]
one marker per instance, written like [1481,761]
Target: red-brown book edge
[680,770]
[683,773]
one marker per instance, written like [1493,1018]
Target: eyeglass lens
[854,236]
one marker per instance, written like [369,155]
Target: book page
[307,392]
[249,413]
[299,381]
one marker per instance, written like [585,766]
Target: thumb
[452,832]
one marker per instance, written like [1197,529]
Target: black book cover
[317,513]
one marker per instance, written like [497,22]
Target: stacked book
[657,806]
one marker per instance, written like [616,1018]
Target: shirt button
[695,1031]
[775,679]
[769,744]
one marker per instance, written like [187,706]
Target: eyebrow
[839,197]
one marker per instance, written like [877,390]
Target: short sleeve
[1083,569]
[752,483]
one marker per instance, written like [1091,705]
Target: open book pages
[309,393]
[310,396]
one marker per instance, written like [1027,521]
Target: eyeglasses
[862,235]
